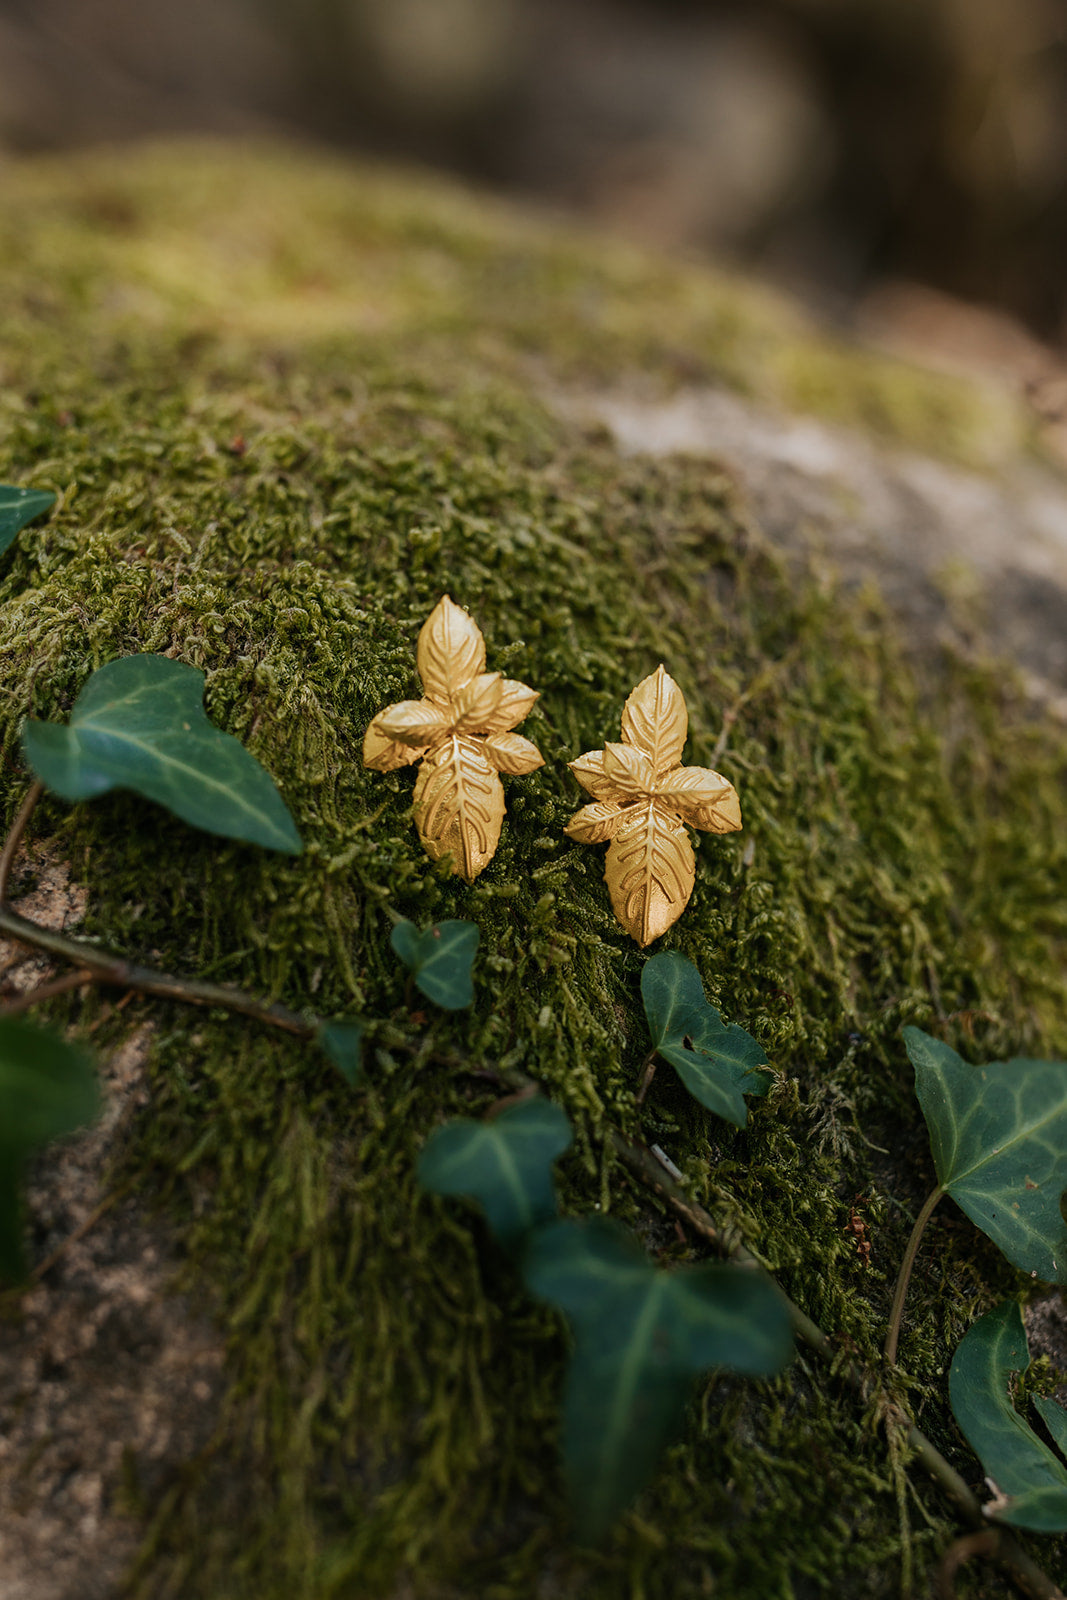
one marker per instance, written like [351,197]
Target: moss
[287,407]
[280,247]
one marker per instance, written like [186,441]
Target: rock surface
[925,530]
[108,1381]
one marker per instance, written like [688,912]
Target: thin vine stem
[84,1227]
[971,1547]
[763,680]
[14,838]
[111,971]
[116,973]
[45,991]
[648,1072]
[896,1313]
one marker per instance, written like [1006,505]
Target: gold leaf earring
[642,799]
[461,733]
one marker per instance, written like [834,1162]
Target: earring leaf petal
[450,652]
[643,799]
[460,733]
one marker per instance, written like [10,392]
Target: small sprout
[440,958]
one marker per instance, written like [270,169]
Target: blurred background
[873,155]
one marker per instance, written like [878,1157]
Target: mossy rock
[285,406]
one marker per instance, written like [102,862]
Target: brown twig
[14,838]
[45,991]
[990,1544]
[965,1549]
[99,966]
[649,1065]
[508,1100]
[729,717]
[81,1230]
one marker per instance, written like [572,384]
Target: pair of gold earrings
[462,734]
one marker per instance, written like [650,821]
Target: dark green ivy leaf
[440,959]
[47,1088]
[719,1065]
[641,1336]
[17,508]
[1023,1468]
[505,1164]
[999,1139]
[139,724]
[343,1043]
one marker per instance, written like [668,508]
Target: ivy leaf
[459,805]
[139,724]
[440,959]
[504,1164]
[719,1065]
[1023,1468]
[343,1043]
[47,1088]
[998,1134]
[17,508]
[641,1336]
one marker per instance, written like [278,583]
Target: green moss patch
[279,496]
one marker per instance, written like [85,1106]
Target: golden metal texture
[461,732]
[642,799]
